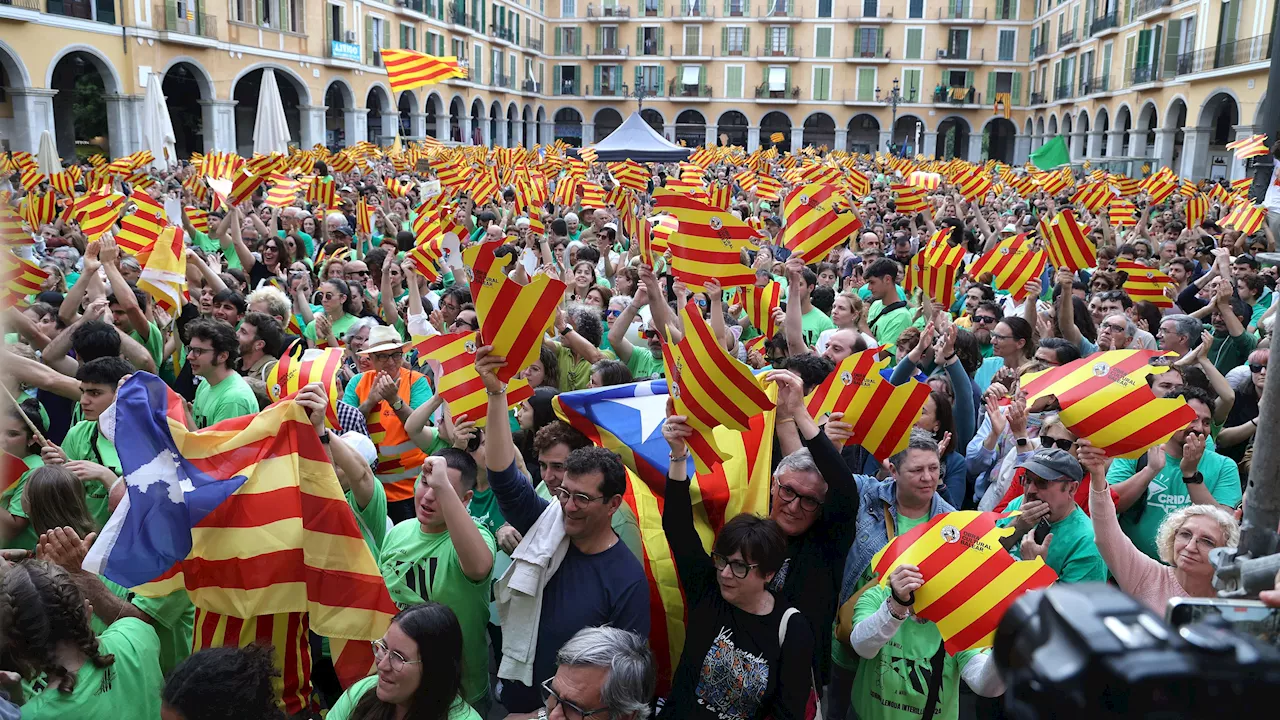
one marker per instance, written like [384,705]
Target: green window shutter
[746,8]
[660,45]
[915,43]
[639,40]
[857,43]
[968,78]
[866,84]
[733,81]
[879,41]
[1144,48]
[724,39]
[386,34]
[1156,35]
[283,15]
[597,75]
[1017,89]
[1129,57]
[660,3]
[639,76]
[368,40]
[991,87]
[746,39]
[726,8]
[1230,23]
[1171,45]
[558,45]
[702,76]
[790,40]
[788,80]
[662,78]
[599,37]
[822,42]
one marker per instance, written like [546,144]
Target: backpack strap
[782,626]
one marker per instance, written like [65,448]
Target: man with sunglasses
[985,318]
[1050,478]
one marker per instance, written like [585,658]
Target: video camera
[1089,650]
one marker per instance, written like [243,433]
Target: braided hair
[225,684]
[40,607]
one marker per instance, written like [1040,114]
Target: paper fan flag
[1014,262]
[1145,283]
[1252,146]
[453,357]
[935,268]
[1067,242]
[760,302]
[1105,399]
[294,372]
[819,218]
[882,413]
[707,244]
[969,578]
[513,317]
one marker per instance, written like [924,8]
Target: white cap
[522,222]
[361,443]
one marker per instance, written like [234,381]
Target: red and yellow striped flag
[1187,188]
[707,243]
[453,358]
[818,219]
[483,187]
[1126,186]
[1068,244]
[719,195]
[140,228]
[859,183]
[291,374]
[973,184]
[710,388]
[777,137]
[1241,185]
[164,277]
[12,229]
[935,268]
[1056,182]
[592,195]
[760,302]
[20,275]
[1197,210]
[41,209]
[198,218]
[97,212]
[1145,283]
[395,188]
[364,217]
[1094,196]
[909,199]
[322,192]
[768,188]
[1122,213]
[1105,398]
[1246,217]
[283,191]
[1160,186]
[1252,146]
[64,182]
[970,580]
[407,69]
[514,318]
[882,414]
[1014,262]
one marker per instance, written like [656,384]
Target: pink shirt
[1149,581]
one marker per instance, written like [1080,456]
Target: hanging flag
[453,357]
[707,244]
[760,304]
[514,318]
[407,69]
[970,580]
[141,224]
[1252,146]
[818,219]
[1014,262]
[1105,399]
[882,414]
[710,387]
[1068,245]
[1144,283]
[1197,210]
[304,367]
[1246,217]
[247,516]
[164,277]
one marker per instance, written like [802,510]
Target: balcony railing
[32,5]
[572,46]
[650,48]
[188,23]
[1039,50]
[764,93]
[1245,50]
[775,51]
[1140,75]
[458,16]
[699,10]
[1063,92]
[1100,84]
[504,81]
[611,50]
[780,10]
[1037,98]
[956,96]
[691,50]
[608,12]
[566,87]
[531,86]
[875,50]
[1151,6]
[1106,22]
[961,11]
[502,33]
[860,13]
[1066,38]
[650,8]
[962,54]
[648,89]
[679,90]
[733,51]
[534,44]
[607,90]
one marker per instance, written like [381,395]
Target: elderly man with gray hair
[601,672]
[1116,332]
[1179,333]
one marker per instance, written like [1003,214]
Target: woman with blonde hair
[1184,541]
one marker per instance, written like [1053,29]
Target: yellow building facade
[1123,81]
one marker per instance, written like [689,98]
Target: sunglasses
[1256,368]
[983,320]
[1060,443]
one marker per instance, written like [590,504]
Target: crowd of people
[511,550]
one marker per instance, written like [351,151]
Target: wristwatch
[1022,442]
[397,404]
[567,329]
[1196,479]
[326,436]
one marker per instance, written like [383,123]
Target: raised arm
[622,347]
[76,294]
[474,554]
[693,565]
[520,505]
[797,292]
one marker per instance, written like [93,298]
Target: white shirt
[1272,199]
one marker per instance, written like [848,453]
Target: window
[915,43]
[958,44]
[408,38]
[824,8]
[568,8]
[866,87]
[1008,42]
[650,41]
[459,48]
[378,35]
[737,8]
[609,37]
[911,80]
[692,40]
[477,70]
[870,8]
[733,81]
[240,11]
[915,8]
[335,22]
[495,70]
[777,79]
[867,42]
[610,80]
[957,78]
[822,83]
[691,79]
[652,7]
[735,41]
[822,42]
[778,39]
[649,76]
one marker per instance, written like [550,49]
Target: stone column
[501,140]
[711,138]
[797,138]
[219,119]
[32,115]
[354,124]
[1237,166]
[417,125]
[1075,142]
[975,148]
[1115,144]
[548,132]
[588,134]
[669,131]
[486,132]
[753,138]
[931,144]
[1138,143]
[1096,144]
[311,125]
[464,127]
[886,137]
[842,139]
[1163,149]
[1195,153]
[1021,149]
[390,126]
[120,125]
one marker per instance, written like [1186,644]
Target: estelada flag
[1197,210]
[1014,262]
[1251,146]
[453,357]
[710,387]
[881,413]
[707,244]
[296,370]
[407,69]
[1105,399]
[759,303]
[909,199]
[514,318]
[818,218]
[140,226]
[1145,283]
[1068,245]
[970,580]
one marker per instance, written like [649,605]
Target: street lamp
[641,92]
[894,98]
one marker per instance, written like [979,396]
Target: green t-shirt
[893,685]
[175,620]
[813,323]
[372,518]
[232,397]
[420,567]
[84,442]
[11,499]
[1167,494]
[339,327]
[1073,552]
[128,688]
[154,343]
[347,703]
[886,327]
[575,374]
[1227,353]
[643,365]
[485,509]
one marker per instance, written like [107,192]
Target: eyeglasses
[397,661]
[650,333]
[1060,443]
[788,494]
[270,248]
[983,320]
[1114,328]
[330,295]
[357,272]
[387,357]
[193,351]
[998,336]
[472,325]
[1256,368]
[737,567]
[580,499]
[570,710]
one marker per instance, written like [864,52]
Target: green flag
[1052,154]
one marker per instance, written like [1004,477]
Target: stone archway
[655,120]
[339,114]
[731,129]
[691,128]
[435,120]
[82,111]
[953,138]
[819,130]
[32,109]
[1000,137]
[293,96]
[863,133]
[186,86]
[1208,156]
[909,135]
[772,123]
[569,126]
[378,116]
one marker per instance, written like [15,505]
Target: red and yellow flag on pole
[1014,262]
[882,414]
[407,69]
[707,244]
[1252,146]
[164,277]
[513,317]
[1105,399]
[818,218]
[453,357]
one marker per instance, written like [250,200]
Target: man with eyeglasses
[571,570]
[1117,332]
[601,672]
[212,352]
[1050,479]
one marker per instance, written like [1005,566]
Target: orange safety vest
[399,458]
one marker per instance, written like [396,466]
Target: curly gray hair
[630,684]
[1174,521]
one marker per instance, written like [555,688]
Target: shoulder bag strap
[935,682]
[885,311]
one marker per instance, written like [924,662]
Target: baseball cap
[1010,228]
[1053,464]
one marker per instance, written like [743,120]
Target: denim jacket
[875,496]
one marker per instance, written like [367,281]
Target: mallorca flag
[628,419]
[1197,210]
[1122,213]
[969,578]
[760,304]
[882,414]
[247,516]
[1014,262]
[707,244]
[710,387]
[513,317]
[453,357]
[20,275]
[909,199]
[97,212]
[407,69]
[140,228]
[296,371]
[1251,146]
[818,218]
[1246,217]
[1068,244]
[1144,283]
[164,277]
[1105,398]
